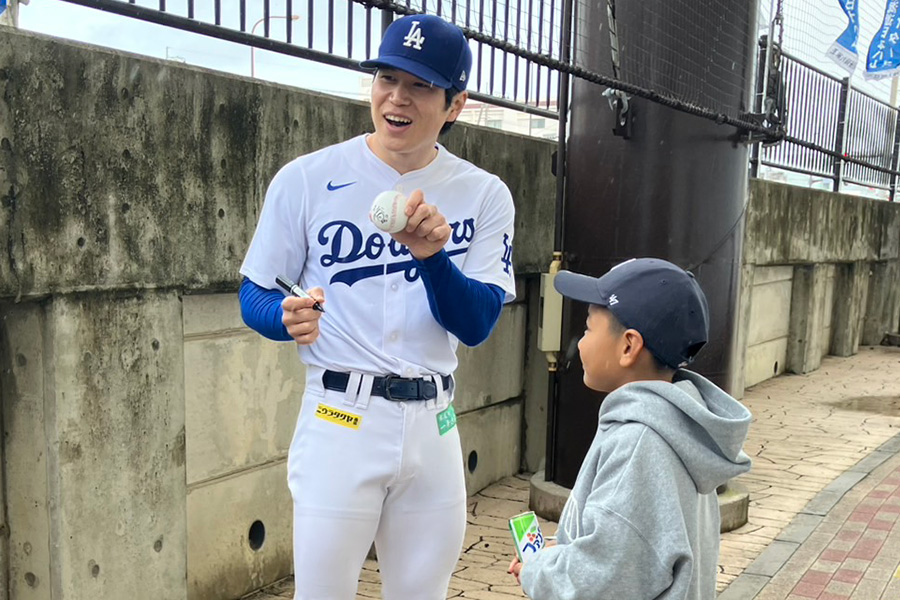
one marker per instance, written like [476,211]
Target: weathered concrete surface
[221,561]
[25,449]
[882,313]
[844,239]
[4,531]
[242,396]
[807,327]
[144,173]
[742,328]
[536,382]
[492,443]
[768,324]
[242,391]
[787,225]
[494,371]
[93,411]
[851,288]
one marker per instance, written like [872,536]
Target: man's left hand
[427,230]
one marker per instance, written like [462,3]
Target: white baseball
[388,211]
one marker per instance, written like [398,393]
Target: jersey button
[394,287]
[394,336]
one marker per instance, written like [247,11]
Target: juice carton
[527,536]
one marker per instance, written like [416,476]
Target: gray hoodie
[642,520]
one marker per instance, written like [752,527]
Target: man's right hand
[300,319]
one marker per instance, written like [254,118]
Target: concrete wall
[146,429]
[767,337]
[821,275]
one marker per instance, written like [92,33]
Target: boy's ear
[633,343]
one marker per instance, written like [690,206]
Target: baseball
[388,211]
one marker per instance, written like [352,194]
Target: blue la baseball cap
[428,47]
[661,301]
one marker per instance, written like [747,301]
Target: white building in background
[489,115]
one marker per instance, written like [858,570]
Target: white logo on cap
[414,38]
[613,300]
[462,76]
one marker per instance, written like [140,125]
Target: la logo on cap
[414,39]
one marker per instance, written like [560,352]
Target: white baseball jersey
[315,227]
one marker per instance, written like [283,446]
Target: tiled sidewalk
[854,553]
[487,550]
[816,457]
[814,437]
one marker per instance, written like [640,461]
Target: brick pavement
[822,473]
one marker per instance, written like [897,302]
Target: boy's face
[600,349]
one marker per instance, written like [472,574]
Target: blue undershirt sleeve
[465,307]
[261,311]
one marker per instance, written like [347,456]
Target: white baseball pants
[365,468]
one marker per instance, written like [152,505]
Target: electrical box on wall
[550,322]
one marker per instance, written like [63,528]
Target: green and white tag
[446,420]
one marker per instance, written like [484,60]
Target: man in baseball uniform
[376,453]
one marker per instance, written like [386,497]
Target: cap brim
[579,287]
[412,67]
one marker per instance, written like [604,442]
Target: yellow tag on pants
[338,417]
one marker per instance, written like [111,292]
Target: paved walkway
[824,496]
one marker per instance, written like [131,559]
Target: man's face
[600,348]
[408,113]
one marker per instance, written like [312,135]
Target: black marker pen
[292,288]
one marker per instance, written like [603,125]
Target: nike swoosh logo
[331,187]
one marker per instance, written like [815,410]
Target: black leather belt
[392,387]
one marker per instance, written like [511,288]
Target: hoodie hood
[642,520]
[703,425]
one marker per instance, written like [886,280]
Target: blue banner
[883,59]
[2,6]
[843,50]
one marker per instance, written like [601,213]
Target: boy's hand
[515,569]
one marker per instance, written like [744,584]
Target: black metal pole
[762,68]
[839,135]
[895,155]
[387,17]
[562,107]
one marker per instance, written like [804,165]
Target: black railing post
[894,155]
[562,108]
[387,17]
[839,135]
[762,66]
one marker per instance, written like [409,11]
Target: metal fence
[344,32]
[833,130]
[523,53]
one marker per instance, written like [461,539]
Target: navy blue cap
[661,301]
[428,47]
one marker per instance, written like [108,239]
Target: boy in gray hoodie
[642,521]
